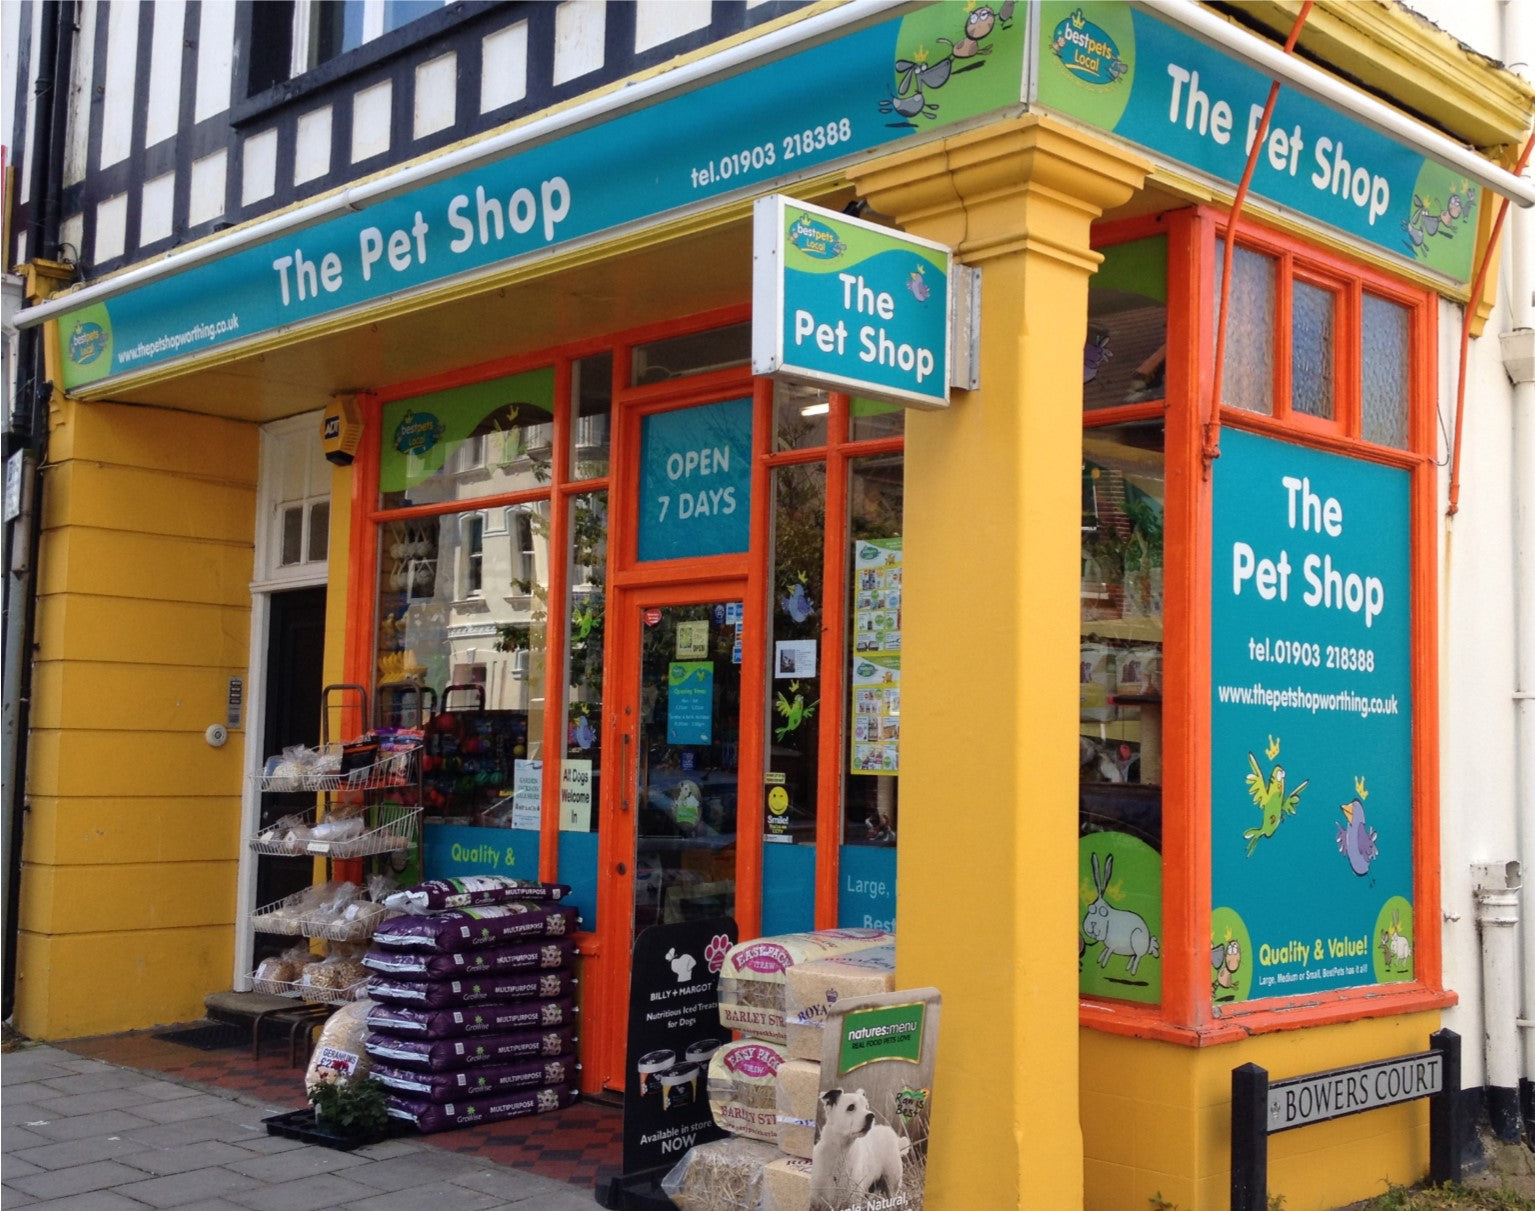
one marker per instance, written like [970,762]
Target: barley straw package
[810,988]
[798,1089]
[752,978]
[742,1095]
[786,1185]
[725,1175]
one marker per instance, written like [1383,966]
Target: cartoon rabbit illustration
[1396,945]
[1122,932]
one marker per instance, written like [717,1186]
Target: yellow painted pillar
[987,897]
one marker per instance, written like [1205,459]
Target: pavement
[88,1135]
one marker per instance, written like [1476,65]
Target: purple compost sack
[430,1116]
[473,928]
[459,964]
[475,1082]
[495,1018]
[471,892]
[449,994]
[470,1051]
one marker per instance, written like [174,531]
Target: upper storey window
[291,37]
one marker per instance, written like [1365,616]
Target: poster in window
[875,722]
[1311,848]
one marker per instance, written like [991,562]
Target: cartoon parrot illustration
[795,711]
[1271,796]
[585,735]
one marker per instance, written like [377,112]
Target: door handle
[624,774]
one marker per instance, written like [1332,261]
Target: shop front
[698,643]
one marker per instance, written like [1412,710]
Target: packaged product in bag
[742,1084]
[449,1055]
[481,1081]
[542,955]
[447,994]
[472,928]
[473,891]
[725,1175]
[342,1045]
[432,1116]
[752,978]
[809,988]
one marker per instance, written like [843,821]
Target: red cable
[1212,439]
[1465,335]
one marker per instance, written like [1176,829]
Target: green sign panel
[890,1032]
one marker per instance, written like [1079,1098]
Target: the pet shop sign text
[852,306]
[1122,69]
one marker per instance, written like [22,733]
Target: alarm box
[341,430]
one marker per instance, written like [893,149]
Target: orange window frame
[623,572]
[1187,1014]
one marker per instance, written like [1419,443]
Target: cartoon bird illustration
[795,711]
[917,284]
[1271,796]
[798,605]
[1356,839]
[584,734]
[583,622]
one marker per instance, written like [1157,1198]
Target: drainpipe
[26,434]
[1496,887]
[1518,33]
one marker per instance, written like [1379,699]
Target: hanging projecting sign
[851,306]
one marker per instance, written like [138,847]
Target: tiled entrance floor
[582,1144]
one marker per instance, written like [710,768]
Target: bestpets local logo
[1087,51]
[816,239]
[87,343]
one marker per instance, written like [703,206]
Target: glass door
[686,756]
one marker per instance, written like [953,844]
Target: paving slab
[305,1162]
[319,1190]
[98,1081]
[178,1189]
[95,1200]
[77,1179]
[88,1126]
[199,1105]
[525,1190]
[11,1197]
[439,1196]
[195,1131]
[65,1153]
[69,1105]
[204,1154]
[32,1064]
[162,1091]
[17,1138]
[419,1168]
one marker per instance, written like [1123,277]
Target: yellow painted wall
[133,832]
[1156,1119]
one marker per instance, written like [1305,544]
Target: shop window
[870,419]
[1384,331]
[1120,706]
[591,392]
[584,637]
[1124,360]
[695,353]
[1248,381]
[872,721]
[1313,322]
[799,416]
[466,442]
[795,707]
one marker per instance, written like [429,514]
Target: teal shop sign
[695,481]
[792,118]
[1119,68]
[1311,787]
[849,305]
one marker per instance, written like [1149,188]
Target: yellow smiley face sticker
[778,801]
